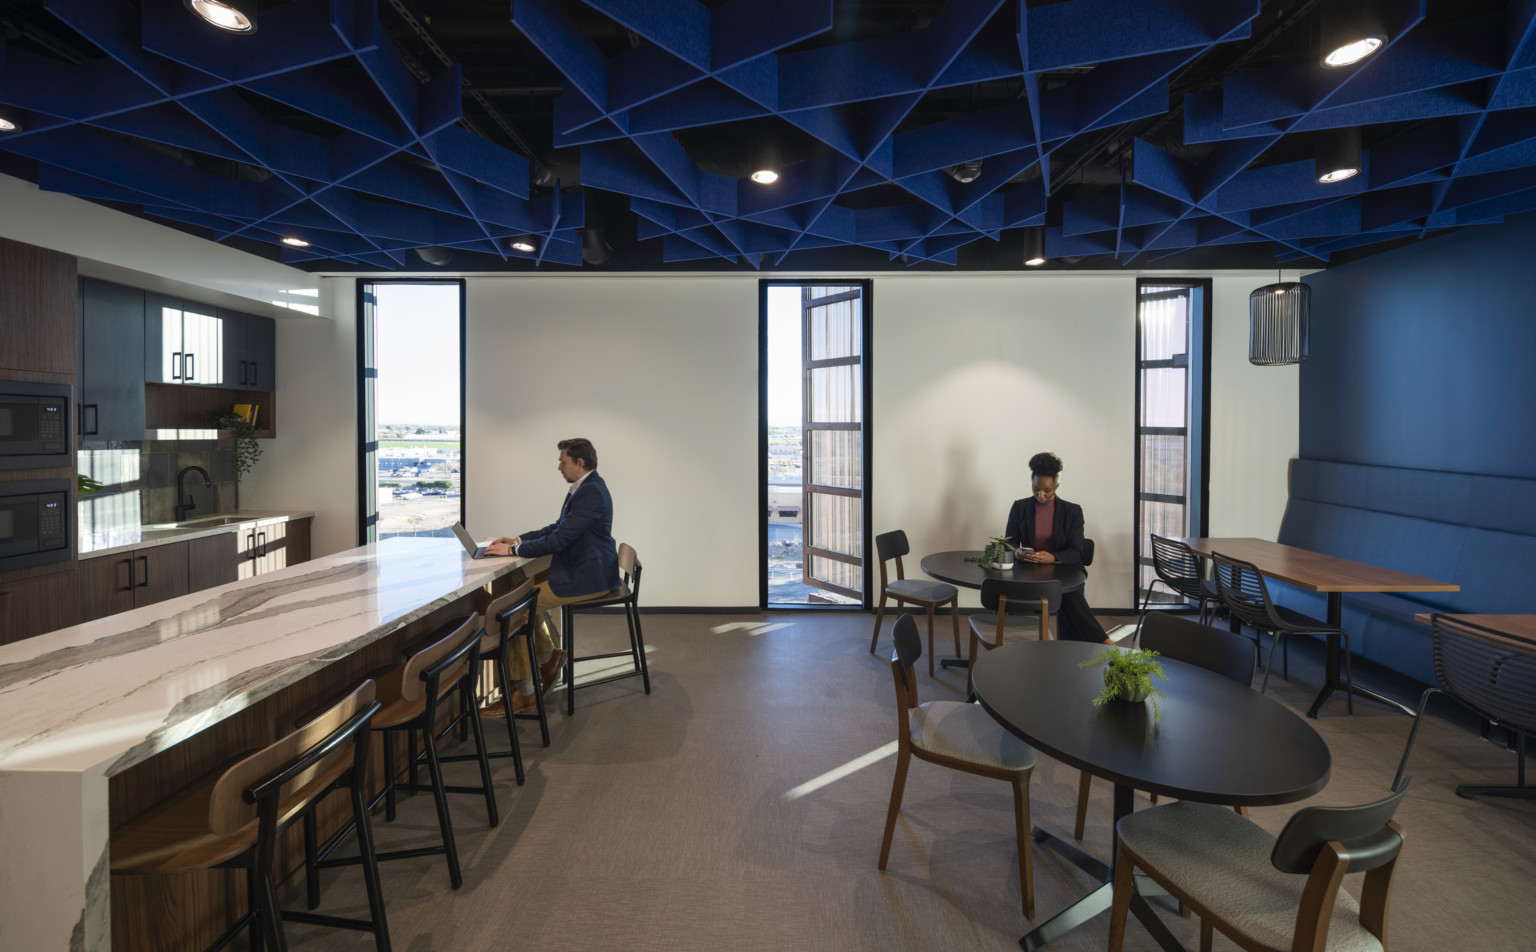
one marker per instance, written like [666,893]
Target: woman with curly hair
[1053,529]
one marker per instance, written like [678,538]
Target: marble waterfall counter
[82,704]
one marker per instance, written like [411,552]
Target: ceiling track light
[965,172]
[766,160]
[231,16]
[1351,31]
[1034,247]
[527,244]
[7,124]
[295,242]
[595,249]
[1338,155]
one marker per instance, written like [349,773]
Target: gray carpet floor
[719,813]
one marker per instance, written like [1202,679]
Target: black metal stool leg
[311,870]
[478,731]
[538,686]
[256,927]
[440,796]
[1273,644]
[568,635]
[370,866]
[645,668]
[505,677]
[388,737]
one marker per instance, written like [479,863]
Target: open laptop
[468,541]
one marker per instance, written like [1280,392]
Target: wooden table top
[1515,626]
[1316,571]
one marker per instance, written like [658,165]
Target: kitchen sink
[206,522]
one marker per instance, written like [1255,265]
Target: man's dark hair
[581,451]
[1041,464]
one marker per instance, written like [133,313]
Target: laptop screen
[466,539]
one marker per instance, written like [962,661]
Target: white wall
[312,464]
[972,375]
[660,373]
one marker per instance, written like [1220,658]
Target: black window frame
[363,372]
[866,368]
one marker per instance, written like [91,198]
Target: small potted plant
[1128,674]
[998,554]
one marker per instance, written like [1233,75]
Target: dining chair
[928,595]
[1230,655]
[1179,569]
[1261,891]
[1009,606]
[962,737]
[1494,676]
[1246,596]
[234,818]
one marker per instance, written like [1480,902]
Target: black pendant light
[232,16]
[1352,30]
[1279,323]
[1034,247]
[1338,155]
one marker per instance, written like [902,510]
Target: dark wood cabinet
[296,542]
[111,388]
[212,561]
[38,308]
[116,583]
[32,606]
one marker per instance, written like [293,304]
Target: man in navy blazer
[583,561]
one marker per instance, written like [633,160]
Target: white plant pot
[1001,566]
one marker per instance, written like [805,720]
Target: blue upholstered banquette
[1476,531]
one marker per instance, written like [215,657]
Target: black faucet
[189,505]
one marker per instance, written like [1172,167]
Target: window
[814,446]
[1173,322]
[410,346]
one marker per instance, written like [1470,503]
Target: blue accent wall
[1425,357]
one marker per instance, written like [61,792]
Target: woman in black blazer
[1063,542]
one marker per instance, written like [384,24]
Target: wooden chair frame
[906,699]
[1312,916]
[954,603]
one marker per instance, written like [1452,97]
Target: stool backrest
[1227,654]
[1176,564]
[316,749]
[629,568]
[508,613]
[427,664]
[1020,597]
[1361,830]
[1493,673]
[1243,591]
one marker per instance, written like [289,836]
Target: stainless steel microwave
[35,523]
[35,425]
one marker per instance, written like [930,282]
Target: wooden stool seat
[398,709]
[174,835]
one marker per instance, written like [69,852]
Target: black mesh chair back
[891,545]
[1020,597]
[1087,552]
[1244,593]
[909,647]
[1491,673]
[1227,654]
[1177,565]
[1361,830]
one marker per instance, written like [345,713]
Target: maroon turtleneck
[1045,516]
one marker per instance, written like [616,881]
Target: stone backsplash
[139,482]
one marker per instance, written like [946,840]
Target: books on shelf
[247,412]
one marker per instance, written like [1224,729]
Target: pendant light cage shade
[1279,324]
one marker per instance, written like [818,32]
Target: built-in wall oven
[35,425]
[35,522]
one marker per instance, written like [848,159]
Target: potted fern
[1128,674]
[246,450]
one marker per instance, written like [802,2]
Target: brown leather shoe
[549,671]
[522,702]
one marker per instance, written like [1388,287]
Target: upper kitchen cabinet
[183,342]
[37,310]
[111,403]
[250,351]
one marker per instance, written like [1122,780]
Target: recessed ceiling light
[765,176]
[8,125]
[1353,52]
[525,245]
[1337,175]
[226,16]
[1338,155]
[296,242]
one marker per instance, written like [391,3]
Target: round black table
[1215,742]
[953,568]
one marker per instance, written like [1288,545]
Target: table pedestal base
[1100,899]
[954,662]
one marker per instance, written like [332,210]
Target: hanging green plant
[1128,674]
[247,450]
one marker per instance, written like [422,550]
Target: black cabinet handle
[145,582]
[191,367]
[250,545]
[262,544]
[129,560]
[94,411]
[255,375]
[176,365]
[243,365]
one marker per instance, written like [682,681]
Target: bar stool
[232,818]
[628,595]
[412,694]
[518,607]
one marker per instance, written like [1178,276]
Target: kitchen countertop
[82,704]
[113,541]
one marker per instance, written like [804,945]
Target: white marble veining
[80,704]
[127,538]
